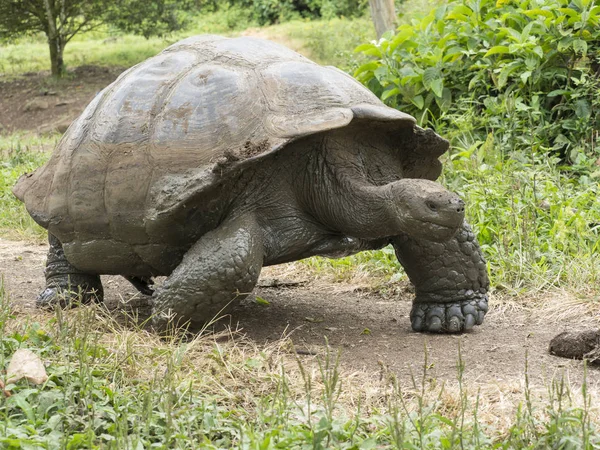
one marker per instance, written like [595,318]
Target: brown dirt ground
[36,102]
[371,329]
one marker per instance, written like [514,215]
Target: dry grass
[239,372]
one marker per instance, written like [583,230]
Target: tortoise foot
[65,293]
[451,317]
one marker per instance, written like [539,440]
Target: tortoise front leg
[450,279]
[220,268]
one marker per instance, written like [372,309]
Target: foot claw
[68,297]
[469,321]
[417,324]
[448,317]
[47,298]
[453,324]
[435,324]
[480,316]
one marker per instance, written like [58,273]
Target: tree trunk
[56,56]
[383,14]
[56,41]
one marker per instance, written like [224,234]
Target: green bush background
[515,86]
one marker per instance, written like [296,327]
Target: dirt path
[36,102]
[370,329]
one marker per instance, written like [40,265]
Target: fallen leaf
[28,365]
[261,301]
[4,391]
[314,320]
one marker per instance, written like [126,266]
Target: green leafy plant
[513,85]
[530,69]
[267,12]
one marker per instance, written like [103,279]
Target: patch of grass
[20,154]
[381,266]
[538,223]
[115,386]
[108,47]
[327,41]
[122,51]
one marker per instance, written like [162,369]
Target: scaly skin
[222,267]
[450,280]
[64,283]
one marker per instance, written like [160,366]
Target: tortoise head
[424,209]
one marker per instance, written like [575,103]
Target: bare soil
[37,102]
[371,329]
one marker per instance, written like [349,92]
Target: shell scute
[202,118]
[128,106]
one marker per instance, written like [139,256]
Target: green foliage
[61,21]
[329,9]
[512,84]
[19,155]
[267,12]
[229,17]
[529,68]
[156,18]
[538,225]
[274,11]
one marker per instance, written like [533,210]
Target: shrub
[530,69]
[273,11]
[515,86]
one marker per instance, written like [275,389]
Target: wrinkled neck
[367,211]
[337,191]
[349,205]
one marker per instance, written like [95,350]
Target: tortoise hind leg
[142,284]
[221,268]
[65,283]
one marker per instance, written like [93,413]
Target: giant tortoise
[220,156]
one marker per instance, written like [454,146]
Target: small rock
[28,365]
[36,104]
[577,345]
